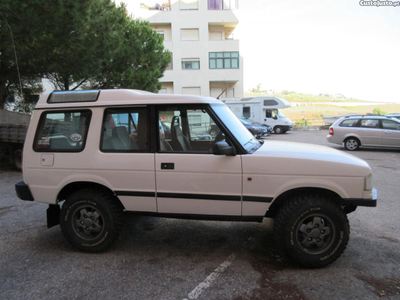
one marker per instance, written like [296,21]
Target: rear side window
[125,130]
[64,131]
[387,124]
[368,123]
[349,123]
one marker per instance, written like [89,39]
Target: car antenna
[221,94]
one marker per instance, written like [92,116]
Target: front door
[190,179]
[370,132]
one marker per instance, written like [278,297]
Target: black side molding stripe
[257,199]
[199,196]
[136,194]
[195,196]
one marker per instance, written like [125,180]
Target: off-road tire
[278,130]
[352,143]
[17,159]
[304,210]
[103,219]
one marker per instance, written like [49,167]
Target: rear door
[190,179]
[391,133]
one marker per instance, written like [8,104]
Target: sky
[320,46]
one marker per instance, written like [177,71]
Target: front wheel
[91,220]
[312,230]
[278,130]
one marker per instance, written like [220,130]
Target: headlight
[368,183]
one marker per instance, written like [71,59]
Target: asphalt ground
[159,258]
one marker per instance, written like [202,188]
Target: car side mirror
[223,148]
[275,117]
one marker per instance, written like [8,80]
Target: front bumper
[287,127]
[23,191]
[363,202]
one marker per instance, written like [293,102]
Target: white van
[264,110]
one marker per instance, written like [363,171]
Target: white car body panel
[199,174]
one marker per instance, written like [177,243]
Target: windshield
[243,136]
[279,113]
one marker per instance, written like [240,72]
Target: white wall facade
[191,31]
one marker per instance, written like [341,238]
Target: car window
[387,124]
[125,130]
[349,123]
[370,123]
[62,131]
[186,129]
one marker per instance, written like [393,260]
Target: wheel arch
[351,136]
[79,185]
[279,201]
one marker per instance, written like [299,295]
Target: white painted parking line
[210,278]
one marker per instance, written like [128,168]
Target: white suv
[365,131]
[101,153]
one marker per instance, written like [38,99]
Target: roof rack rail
[349,116]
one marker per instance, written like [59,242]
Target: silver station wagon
[365,131]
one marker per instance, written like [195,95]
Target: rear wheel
[351,144]
[312,230]
[91,220]
[278,130]
[17,159]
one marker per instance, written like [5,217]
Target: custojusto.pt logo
[380,3]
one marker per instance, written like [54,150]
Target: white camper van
[264,110]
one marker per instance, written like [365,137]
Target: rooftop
[85,98]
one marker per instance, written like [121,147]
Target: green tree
[145,67]
[379,112]
[104,48]
[20,72]
[76,44]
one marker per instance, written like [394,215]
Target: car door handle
[167,166]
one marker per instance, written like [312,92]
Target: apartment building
[201,36]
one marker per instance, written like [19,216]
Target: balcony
[223,45]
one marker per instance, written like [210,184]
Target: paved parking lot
[160,258]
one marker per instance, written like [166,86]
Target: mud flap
[53,215]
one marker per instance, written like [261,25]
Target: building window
[191,90]
[188,4]
[224,60]
[189,34]
[222,4]
[161,33]
[171,65]
[190,64]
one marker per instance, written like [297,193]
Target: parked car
[258,126]
[91,155]
[365,131]
[394,115]
[257,130]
